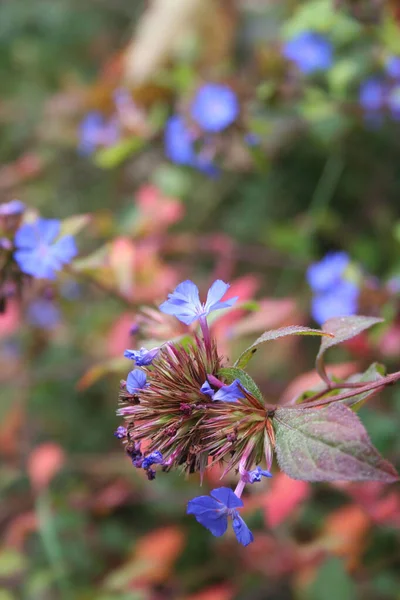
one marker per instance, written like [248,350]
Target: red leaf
[44,462]
[284,496]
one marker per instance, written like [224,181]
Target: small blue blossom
[227,393]
[310,51]
[392,67]
[372,95]
[215,107]
[95,131]
[12,208]
[323,275]
[184,302]
[137,380]
[255,475]
[142,357]
[37,253]
[43,313]
[178,142]
[213,511]
[341,301]
[393,102]
[155,458]
[120,432]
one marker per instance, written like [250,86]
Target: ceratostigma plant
[190,411]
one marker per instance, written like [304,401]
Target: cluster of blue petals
[255,475]
[12,208]
[38,251]
[184,302]
[142,357]
[334,295]
[214,108]
[213,512]
[380,94]
[310,51]
[226,393]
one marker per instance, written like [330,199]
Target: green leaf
[74,225]
[327,444]
[342,329]
[232,373]
[108,158]
[373,373]
[332,576]
[274,334]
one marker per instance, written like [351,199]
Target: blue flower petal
[227,497]
[48,229]
[215,107]
[209,513]
[183,303]
[242,532]
[215,293]
[136,381]
[323,275]
[310,51]
[142,357]
[207,389]
[229,393]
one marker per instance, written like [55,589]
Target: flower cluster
[334,295]
[214,108]
[310,52]
[180,407]
[380,94]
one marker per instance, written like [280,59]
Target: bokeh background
[308,166]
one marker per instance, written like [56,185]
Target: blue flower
[227,393]
[310,51]
[215,107]
[323,275]
[43,313]
[155,458]
[372,95]
[392,67]
[341,301]
[95,131]
[120,432]
[38,254]
[255,475]
[394,102]
[12,208]
[142,357]
[213,511]
[137,380]
[185,305]
[178,142]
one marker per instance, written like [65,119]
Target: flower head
[310,51]
[120,432]
[323,275]
[95,131]
[12,208]
[37,253]
[184,302]
[154,458]
[255,475]
[372,95]
[213,511]
[142,357]
[340,301]
[215,107]
[137,380]
[178,142]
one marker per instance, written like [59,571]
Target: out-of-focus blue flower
[393,102]
[120,432]
[227,393]
[215,107]
[184,302]
[137,380]
[392,67]
[323,275]
[155,458]
[213,511]
[252,139]
[142,357]
[12,208]
[43,313]
[341,301]
[95,130]
[178,141]
[37,253]
[372,95]
[255,475]
[310,51]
